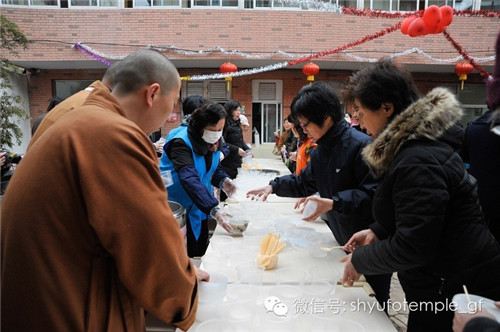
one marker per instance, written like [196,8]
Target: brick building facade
[114,32]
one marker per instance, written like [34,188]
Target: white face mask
[211,137]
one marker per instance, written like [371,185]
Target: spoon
[331,248]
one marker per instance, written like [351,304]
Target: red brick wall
[116,32]
[40,86]
[120,31]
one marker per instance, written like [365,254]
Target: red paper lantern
[310,69]
[463,69]
[228,67]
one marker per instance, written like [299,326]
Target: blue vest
[176,192]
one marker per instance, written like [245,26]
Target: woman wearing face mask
[192,155]
[233,136]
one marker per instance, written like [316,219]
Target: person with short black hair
[233,137]
[336,171]
[54,101]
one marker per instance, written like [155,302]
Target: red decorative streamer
[380,13]
[351,44]
[466,56]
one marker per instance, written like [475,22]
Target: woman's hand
[361,238]
[261,193]
[241,152]
[323,205]
[299,203]
[350,273]
[201,275]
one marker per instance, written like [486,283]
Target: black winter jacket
[233,136]
[336,171]
[482,151]
[426,207]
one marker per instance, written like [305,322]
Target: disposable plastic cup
[218,324]
[239,224]
[214,289]
[207,310]
[278,318]
[288,294]
[324,272]
[237,311]
[317,289]
[250,273]
[214,261]
[332,324]
[242,293]
[290,276]
[220,242]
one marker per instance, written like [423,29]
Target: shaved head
[145,67]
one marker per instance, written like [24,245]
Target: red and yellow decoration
[310,69]
[463,69]
[228,67]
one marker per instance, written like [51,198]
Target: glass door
[270,121]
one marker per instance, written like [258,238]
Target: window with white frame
[215,3]
[276,4]
[93,3]
[155,3]
[50,3]
[215,90]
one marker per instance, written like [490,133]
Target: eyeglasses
[305,124]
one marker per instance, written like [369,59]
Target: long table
[302,264]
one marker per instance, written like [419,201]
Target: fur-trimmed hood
[428,118]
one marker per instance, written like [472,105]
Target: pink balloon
[406,23]
[417,28]
[432,16]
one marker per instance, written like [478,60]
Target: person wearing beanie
[481,150]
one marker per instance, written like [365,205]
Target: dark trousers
[197,248]
[381,285]
[481,279]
